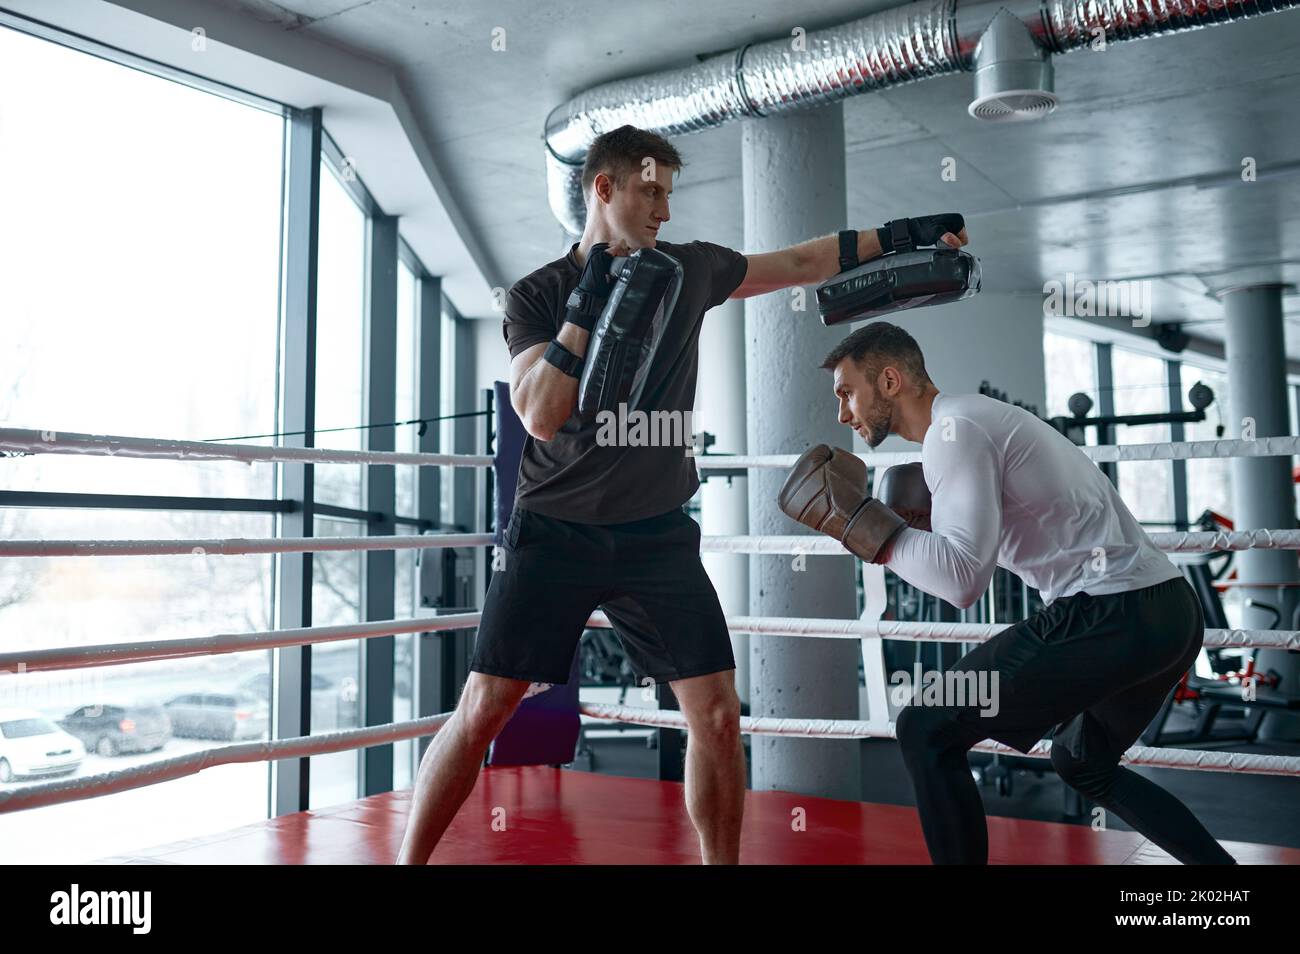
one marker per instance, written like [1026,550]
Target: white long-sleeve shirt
[1010,490]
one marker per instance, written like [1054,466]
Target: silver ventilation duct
[905,44]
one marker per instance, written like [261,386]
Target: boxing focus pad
[897,282]
[827,490]
[904,276]
[625,337]
[902,489]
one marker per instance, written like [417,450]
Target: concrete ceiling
[1135,175]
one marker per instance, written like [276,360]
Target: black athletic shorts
[1094,670]
[646,575]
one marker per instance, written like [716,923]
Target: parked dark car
[110,730]
[218,715]
[333,705]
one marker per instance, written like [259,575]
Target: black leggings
[1098,667]
[952,813]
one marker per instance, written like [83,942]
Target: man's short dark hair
[621,152]
[875,346]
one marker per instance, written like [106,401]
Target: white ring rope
[166,770]
[931,632]
[1205,761]
[116,654]
[1201,541]
[236,546]
[100,445]
[1285,446]
[1188,542]
[54,442]
[793,545]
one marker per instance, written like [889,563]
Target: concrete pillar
[1263,492]
[794,190]
[724,501]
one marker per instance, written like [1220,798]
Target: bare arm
[542,395]
[804,264]
[810,262]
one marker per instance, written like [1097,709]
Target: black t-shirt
[575,477]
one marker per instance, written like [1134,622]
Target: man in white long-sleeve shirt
[1119,628]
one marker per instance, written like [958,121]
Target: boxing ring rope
[932,632]
[1193,541]
[26,440]
[236,546]
[166,770]
[1285,446]
[1196,541]
[1194,759]
[31,441]
[117,654]
[19,440]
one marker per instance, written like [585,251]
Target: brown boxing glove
[902,489]
[827,490]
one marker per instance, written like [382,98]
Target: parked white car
[31,746]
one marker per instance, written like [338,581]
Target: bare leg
[715,763]
[450,767]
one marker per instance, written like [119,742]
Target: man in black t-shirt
[598,519]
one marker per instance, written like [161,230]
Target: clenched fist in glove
[827,490]
[902,489]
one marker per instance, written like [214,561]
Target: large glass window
[1070,368]
[166,201]
[336,667]
[448,405]
[172,330]
[404,593]
[1070,364]
[340,351]
[406,436]
[340,409]
[169,328]
[1141,387]
[1209,480]
[128,715]
[404,661]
